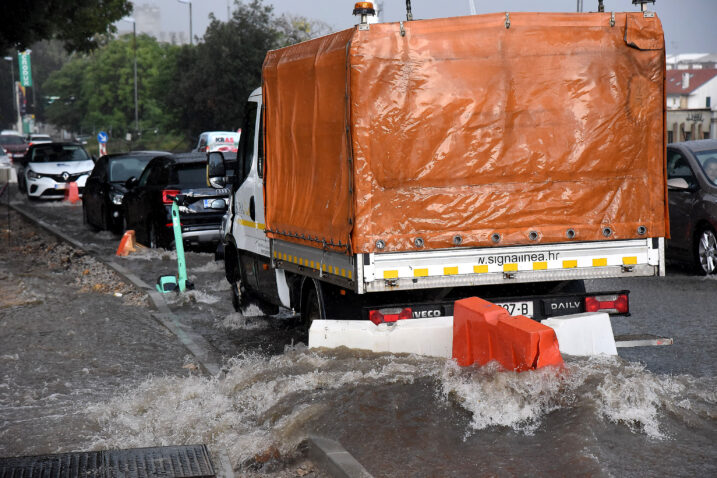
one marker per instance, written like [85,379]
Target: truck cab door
[248,205]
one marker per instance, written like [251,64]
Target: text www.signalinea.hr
[513,258]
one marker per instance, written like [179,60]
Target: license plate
[518,308]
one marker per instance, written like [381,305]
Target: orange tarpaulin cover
[463,127]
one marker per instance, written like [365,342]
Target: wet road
[652,411]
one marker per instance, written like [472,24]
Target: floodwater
[651,411]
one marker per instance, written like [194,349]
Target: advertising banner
[25,68]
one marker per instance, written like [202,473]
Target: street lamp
[134,46]
[189,2]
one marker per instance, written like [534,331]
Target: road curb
[334,458]
[197,345]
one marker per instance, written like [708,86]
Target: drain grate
[190,461]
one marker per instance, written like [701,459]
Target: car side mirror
[216,170]
[678,184]
[131,182]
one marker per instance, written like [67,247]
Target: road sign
[25,68]
[101,137]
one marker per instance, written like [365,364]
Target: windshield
[57,153]
[192,175]
[708,161]
[121,169]
[10,139]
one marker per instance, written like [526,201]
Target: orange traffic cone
[127,244]
[72,192]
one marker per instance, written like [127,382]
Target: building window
[670,137]
[708,101]
[688,135]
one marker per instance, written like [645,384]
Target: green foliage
[77,23]
[211,81]
[97,91]
[182,91]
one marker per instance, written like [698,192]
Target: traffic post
[102,142]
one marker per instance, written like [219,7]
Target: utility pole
[15,99]
[580,6]
[134,48]
[189,2]
[472,6]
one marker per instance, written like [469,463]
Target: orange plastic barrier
[72,192]
[483,331]
[127,244]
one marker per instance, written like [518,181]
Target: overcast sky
[690,25]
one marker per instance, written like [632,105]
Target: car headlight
[117,198]
[83,173]
[32,174]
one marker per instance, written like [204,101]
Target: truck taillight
[612,304]
[167,193]
[390,315]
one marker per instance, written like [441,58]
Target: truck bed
[458,267]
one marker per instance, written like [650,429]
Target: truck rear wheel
[311,308]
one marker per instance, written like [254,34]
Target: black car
[148,203]
[692,192]
[105,188]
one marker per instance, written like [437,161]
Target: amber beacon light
[364,9]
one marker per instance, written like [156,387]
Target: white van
[224,141]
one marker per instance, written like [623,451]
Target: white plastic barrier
[430,337]
[589,333]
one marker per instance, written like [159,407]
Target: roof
[697,79]
[189,157]
[698,145]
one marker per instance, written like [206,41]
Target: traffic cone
[72,192]
[127,244]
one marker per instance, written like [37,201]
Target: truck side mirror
[216,170]
[131,182]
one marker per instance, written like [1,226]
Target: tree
[97,91]
[75,22]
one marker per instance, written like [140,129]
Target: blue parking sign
[102,137]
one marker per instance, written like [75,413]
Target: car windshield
[10,139]
[123,168]
[57,153]
[192,175]
[708,161]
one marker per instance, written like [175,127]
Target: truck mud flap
[191,461]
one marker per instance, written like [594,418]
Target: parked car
[692,192]
[224,141]
[147,205]
[35,138]
[105,188]
[47,168]
[14,144]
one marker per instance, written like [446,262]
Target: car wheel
[311,309]
[86,219]
[21,184]
[238,296]
[705,251]
[153,236]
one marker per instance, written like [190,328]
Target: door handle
[252,209]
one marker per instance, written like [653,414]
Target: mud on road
[74,335]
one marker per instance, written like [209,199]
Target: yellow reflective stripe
[599,262]
[510,267]
[450,271]
[253,225]
[480,269]
[420,272]
[390,274]
[351,274]
[343,272]
[540,266]
[629,260]
[570,264]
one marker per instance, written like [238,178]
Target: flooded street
[86,366]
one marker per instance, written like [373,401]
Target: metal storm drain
[190,461]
